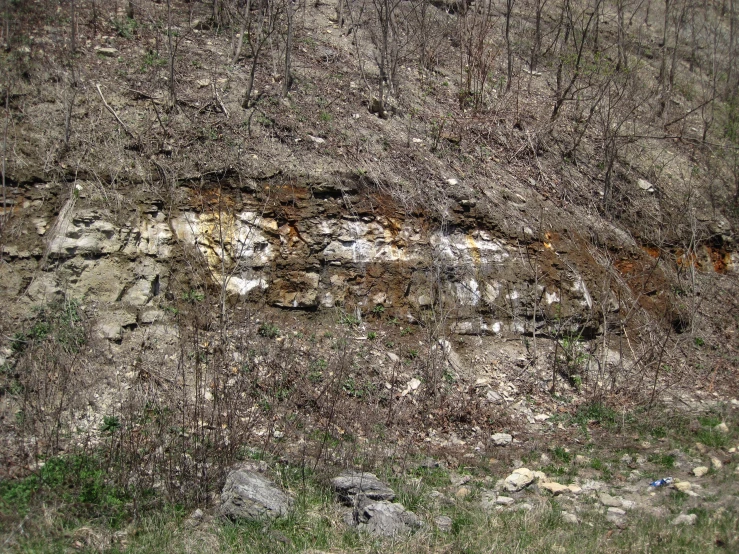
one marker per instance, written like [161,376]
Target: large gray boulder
[248,495]
[383,518]
[355,488]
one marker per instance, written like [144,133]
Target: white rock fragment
[683,486]
[645,185]
[554,488]
[685,519]
[700,471]
[519,479]
[502,439]
[107,52]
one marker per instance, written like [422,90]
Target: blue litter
[661,482]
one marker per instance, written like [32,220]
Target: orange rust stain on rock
[720,259]
[687,259]
[625,267]
[474,249]
[211,198]
[652,251]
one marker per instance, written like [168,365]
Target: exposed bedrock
[309,247]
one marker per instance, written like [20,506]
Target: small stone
[443,523]
[616,516]
[685,519]
[502,439]
[462,493]
[700,447]
[458,480]
[645,185]
[722,428]
[493,397]
[487,500]
[716,463]
[628,504]
[525,507]
[582,460]
[107,52]
[452,182]
[425,300]
[575,489]
[440,499]
[608,500]
[683,486]
[542,417]
[554,488]
[700,471]
[567,517]
[504,500]
[195,519]
[519,479]
[384,518]
[317,140]
[354,484]
[249,495]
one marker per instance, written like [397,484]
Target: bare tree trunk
[170,46]
[622,62]
[509,51]
[288,79]
[732,50]
[130,13]
[4,218]
[239,42]
[536,43]
[340,13]
[73,9]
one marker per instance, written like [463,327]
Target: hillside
[369,235]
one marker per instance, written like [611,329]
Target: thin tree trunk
[288,79]
[509,51]
[73,6]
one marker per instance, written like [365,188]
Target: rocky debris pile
[372,509]
[251,496]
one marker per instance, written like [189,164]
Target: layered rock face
[301,245]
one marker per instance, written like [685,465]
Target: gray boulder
[355,488]
[248,495]
[383,518]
